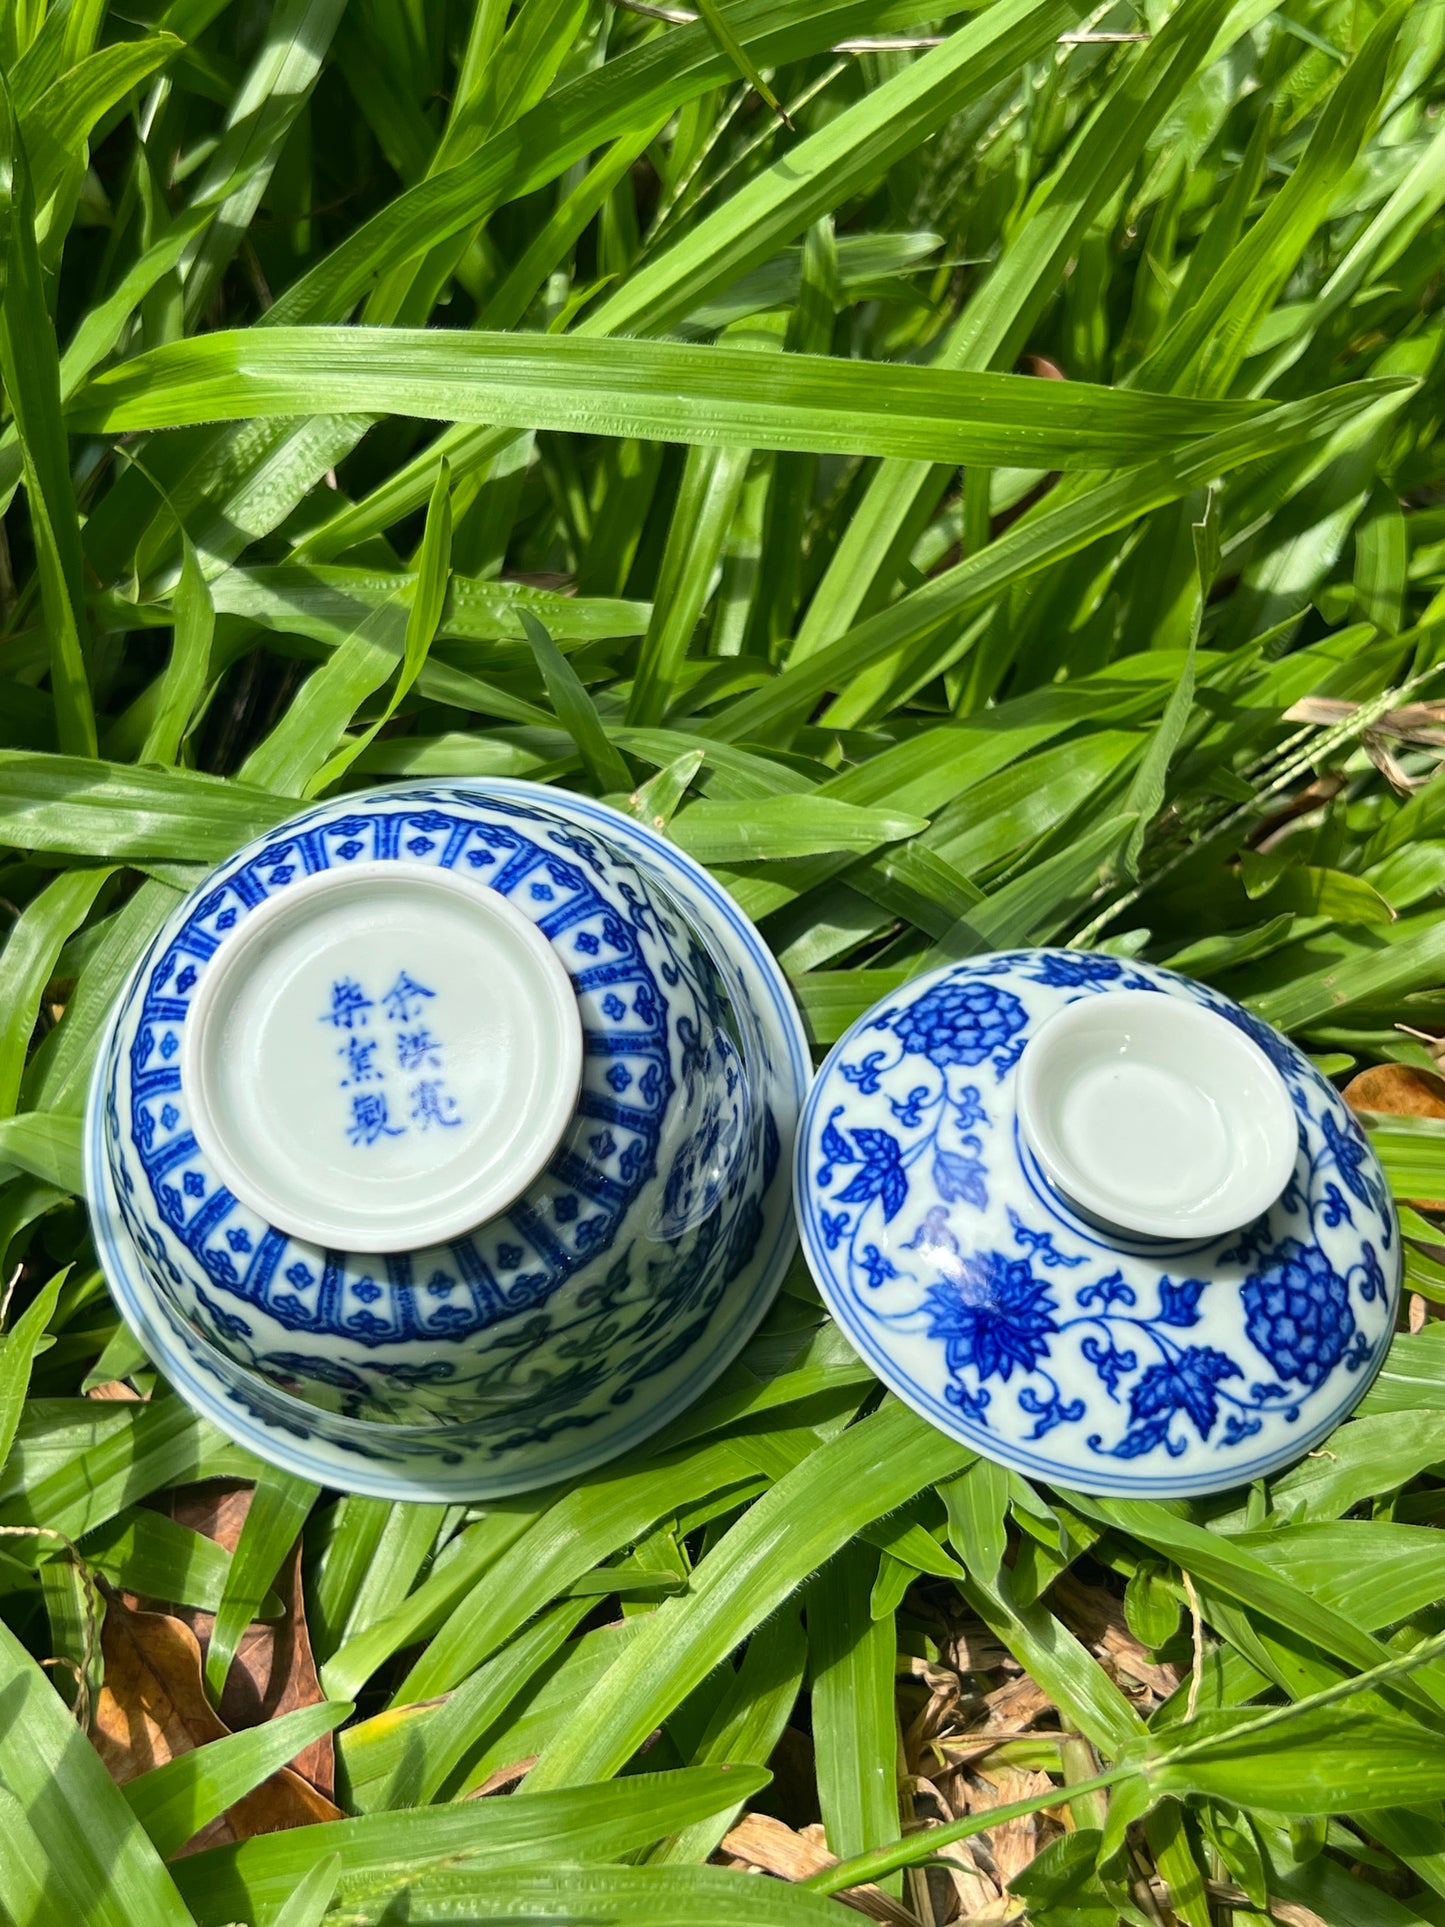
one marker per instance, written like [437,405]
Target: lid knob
[382,1056]
[1156,1116]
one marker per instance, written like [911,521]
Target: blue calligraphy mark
[432,1104]
[358,1053]
[369,1119]
[414,1048]
[405,999]
[349,1005]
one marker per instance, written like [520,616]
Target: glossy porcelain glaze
[1088,1355]
[619,1273]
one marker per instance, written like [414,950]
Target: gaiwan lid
[1098,1222]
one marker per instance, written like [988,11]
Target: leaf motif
[960,1179]
[1179,1304]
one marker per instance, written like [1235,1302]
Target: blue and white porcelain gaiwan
[1098,1222]
[437,1145]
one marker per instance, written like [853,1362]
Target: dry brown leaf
[217,1507]
[1016,1704]
[1293,1913]
[1410,722]
[972,1887]
[939,1710]
[773,1845]
[113,1389]
[274,1670]
[758,1840]
[975,1650]
[153,1707]
[504,1776]
[153,1704]
[1006,1712]
[1399,1090]
[1097,1618]
[1013,1843]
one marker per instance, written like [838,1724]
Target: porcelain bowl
[436,1145]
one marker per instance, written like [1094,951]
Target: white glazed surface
[1089,1358]
[358,1105]
[561,1332]
[1156,1115]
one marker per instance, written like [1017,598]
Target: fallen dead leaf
[216,1507]
[1399,1090]
[973,1889]
[1097,1618]
[1016,1704]
[274,1670]
[1013,1843]
[114,1389]
[771,1846]
[1411,722]
[153,1704]
[504,1776]
[153,1707]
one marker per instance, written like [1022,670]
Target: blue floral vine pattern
[931,1218]
[664,1099]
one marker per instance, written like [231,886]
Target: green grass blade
[805,1517]
[47,1147]
[474,1551]
[428,599]
[712,482]
[60,123]
[175,1800]
[575,710]
[1205,347]
[747,1724]
[390,1849]
[589,1525]
[81,807]
[30,366]
[663,391]
[99,1869]
[1047,535]
[277,1513]
[475,1705]
[307,1904]
[994,322]
[646,84]
[855,1726]
[59,1070]
[282,75]
[18,1348]
[722,33]
[786,826]
[145,1552]
[841,159]
[26,963]
[185,675]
